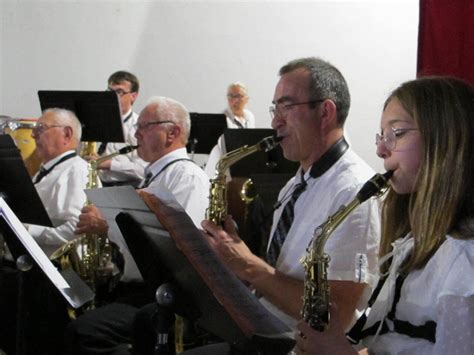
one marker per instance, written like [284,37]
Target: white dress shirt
[190,187]
[124,167]
[234,122]
[62,193]
[353,246]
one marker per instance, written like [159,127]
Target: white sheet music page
[33,248]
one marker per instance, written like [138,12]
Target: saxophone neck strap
[329,158]
[43,172]
[149,181]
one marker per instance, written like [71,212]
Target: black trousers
[105,330]
[108,329]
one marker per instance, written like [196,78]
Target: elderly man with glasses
[60,183]
[62,177]
[125,169]
[162,132]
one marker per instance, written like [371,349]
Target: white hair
[171,110]
[66,118]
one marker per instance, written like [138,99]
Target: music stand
[226,307]
[271,162]
[98,112]
[206,128]
[35,266]
[16,187]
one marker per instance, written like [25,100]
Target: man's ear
[134,96]
[68,133]
[174,132]
[328,111]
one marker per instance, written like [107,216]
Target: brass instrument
[316,288]
[92,256]
[217,209]
[88,149]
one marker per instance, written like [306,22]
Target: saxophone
[92,256]
[316,287]
[217,209]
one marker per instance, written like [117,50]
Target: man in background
[126,169]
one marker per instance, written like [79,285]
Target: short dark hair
[121,76]
[327,82]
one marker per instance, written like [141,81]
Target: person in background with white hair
[237,115]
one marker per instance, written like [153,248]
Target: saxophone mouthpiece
[376,185]
[277,139]
[269,143]
[127,149]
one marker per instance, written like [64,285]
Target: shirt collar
[50,163]
[156,166]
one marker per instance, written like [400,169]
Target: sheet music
[75,291]
[30,244]
[113,200]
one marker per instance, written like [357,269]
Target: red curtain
[446,38]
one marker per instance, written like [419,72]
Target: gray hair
[238,84]
[327,82]
[67,118]
[171,110]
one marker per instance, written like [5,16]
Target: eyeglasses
[283,109]
[391,136]
[236,96]
[40,128]
[140,126]
[119,92]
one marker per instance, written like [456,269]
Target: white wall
[191,50]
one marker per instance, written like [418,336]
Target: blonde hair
[443,109]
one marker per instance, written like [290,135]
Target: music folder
[224,305]
[206,128]
[271,162]
[16,187]
[98,112]
[27,253]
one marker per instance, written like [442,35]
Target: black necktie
[284,224]
[147,180]
[43,172]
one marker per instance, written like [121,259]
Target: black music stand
[206,128]
[271,162]
[16,186]
[224,306]
[98,112]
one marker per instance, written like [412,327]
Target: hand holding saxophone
[91,221]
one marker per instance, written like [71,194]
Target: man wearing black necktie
[62,177]
[60,186]
[310,105]
[125,169]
